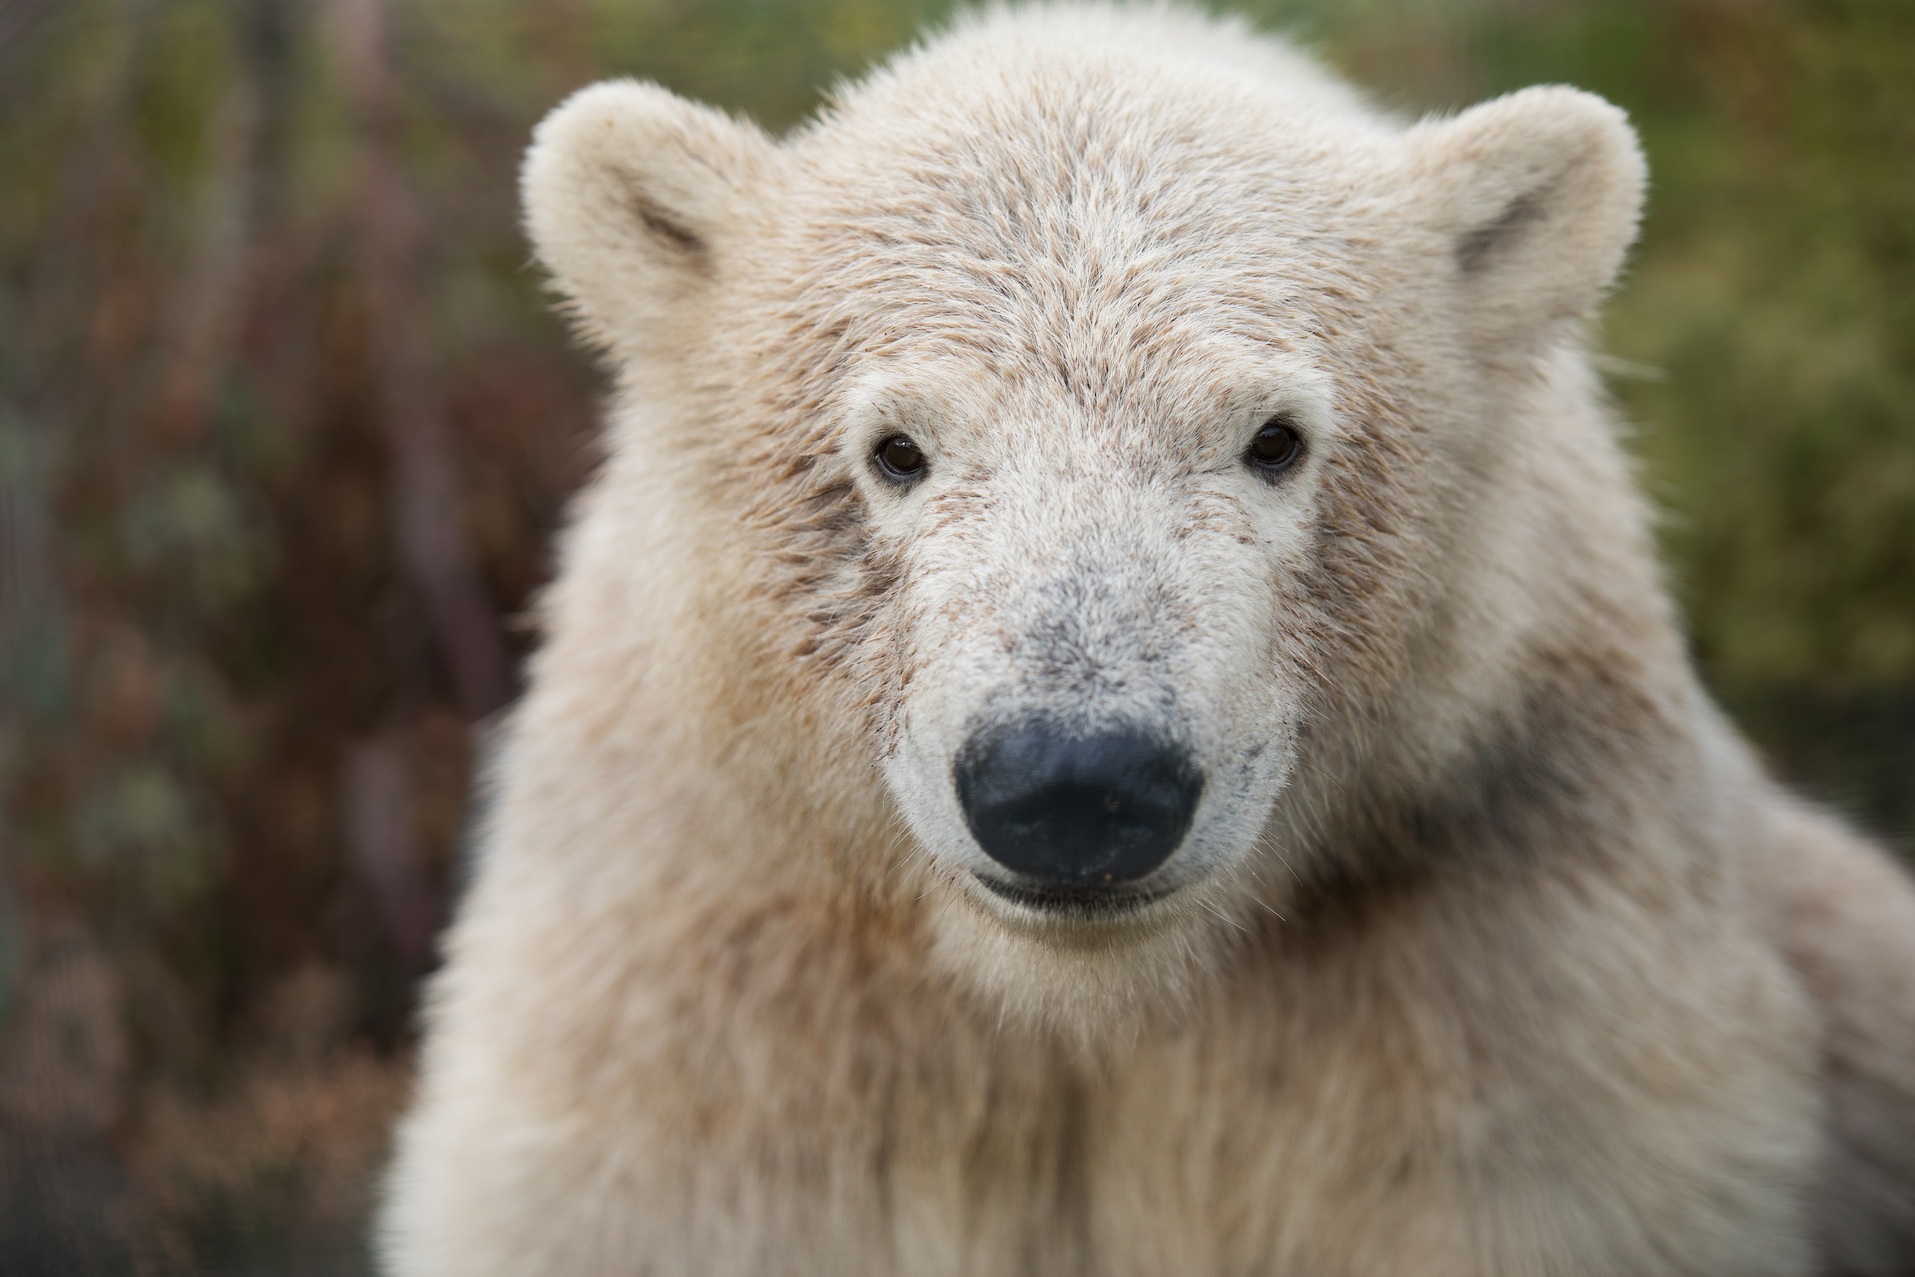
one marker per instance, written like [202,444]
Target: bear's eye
[899,460]
[1276,447]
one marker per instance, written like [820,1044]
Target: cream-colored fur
[1489,951]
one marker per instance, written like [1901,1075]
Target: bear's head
[1114,433]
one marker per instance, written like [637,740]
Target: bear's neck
[1549,719]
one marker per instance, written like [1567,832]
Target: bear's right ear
[630,193]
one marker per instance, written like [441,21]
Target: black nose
[1074,809]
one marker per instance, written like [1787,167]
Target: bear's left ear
[1538,195]
[632,198]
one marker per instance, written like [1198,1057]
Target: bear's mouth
[1089,902]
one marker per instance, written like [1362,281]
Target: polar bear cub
[1110,711]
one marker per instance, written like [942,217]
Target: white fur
[1460,969]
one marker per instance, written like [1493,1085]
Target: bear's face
[1086,418]
[1095,673]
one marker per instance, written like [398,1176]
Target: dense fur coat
[1488,949]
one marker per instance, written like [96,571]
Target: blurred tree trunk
[435,555]
[213,292]
[433,548]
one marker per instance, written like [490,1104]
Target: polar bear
[1111,711]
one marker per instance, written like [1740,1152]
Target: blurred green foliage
[234,717]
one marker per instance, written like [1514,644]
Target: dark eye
[899,459]
[1276,447]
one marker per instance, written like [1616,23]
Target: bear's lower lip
[1083,902]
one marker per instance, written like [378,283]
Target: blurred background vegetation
[285,426]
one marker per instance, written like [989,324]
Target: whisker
[1223,917]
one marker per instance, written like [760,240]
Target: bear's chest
[1311,1158]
